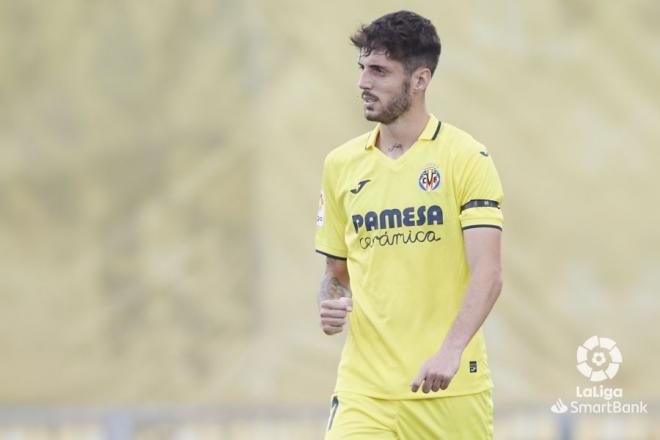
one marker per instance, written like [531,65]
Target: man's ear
[421,78]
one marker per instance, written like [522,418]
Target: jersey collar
[430,132]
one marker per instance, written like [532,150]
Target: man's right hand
[334,313]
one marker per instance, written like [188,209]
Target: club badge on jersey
[429,179]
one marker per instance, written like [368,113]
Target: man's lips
[366,97]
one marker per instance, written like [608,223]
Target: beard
[397,106]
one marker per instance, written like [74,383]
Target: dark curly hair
[404,36]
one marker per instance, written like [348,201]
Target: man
[410,224]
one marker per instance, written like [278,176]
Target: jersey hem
[415,396]
[329,250]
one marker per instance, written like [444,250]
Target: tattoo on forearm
[332,289]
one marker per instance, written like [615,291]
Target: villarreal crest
[429,179]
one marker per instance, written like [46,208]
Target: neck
[405,130]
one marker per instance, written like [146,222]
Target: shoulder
[347,151]
[461,142]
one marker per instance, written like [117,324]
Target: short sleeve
[479,191]
[330,219]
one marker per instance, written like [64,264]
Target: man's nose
[364,82]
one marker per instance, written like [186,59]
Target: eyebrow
[374,66]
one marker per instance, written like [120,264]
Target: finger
[328,325]
[331,329]
[335,322]
[348,302]
[435,385]
[336,304]
[333,313]
[445,383]
[427,384]
[418,380]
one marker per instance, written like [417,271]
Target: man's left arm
[482,249]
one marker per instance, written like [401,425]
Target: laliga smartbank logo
[599,359]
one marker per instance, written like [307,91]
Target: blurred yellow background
[160,166]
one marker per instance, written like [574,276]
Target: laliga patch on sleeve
[320,213]
[473,366]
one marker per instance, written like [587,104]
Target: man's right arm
[335,298]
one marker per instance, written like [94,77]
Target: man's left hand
[438,371]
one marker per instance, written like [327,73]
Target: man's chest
[411,190]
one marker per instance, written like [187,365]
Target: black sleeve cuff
[330,256]
[481,226]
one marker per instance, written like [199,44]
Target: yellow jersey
[399,224]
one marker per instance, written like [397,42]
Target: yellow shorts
[354,416]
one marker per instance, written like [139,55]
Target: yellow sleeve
[330,219]
[479,191]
